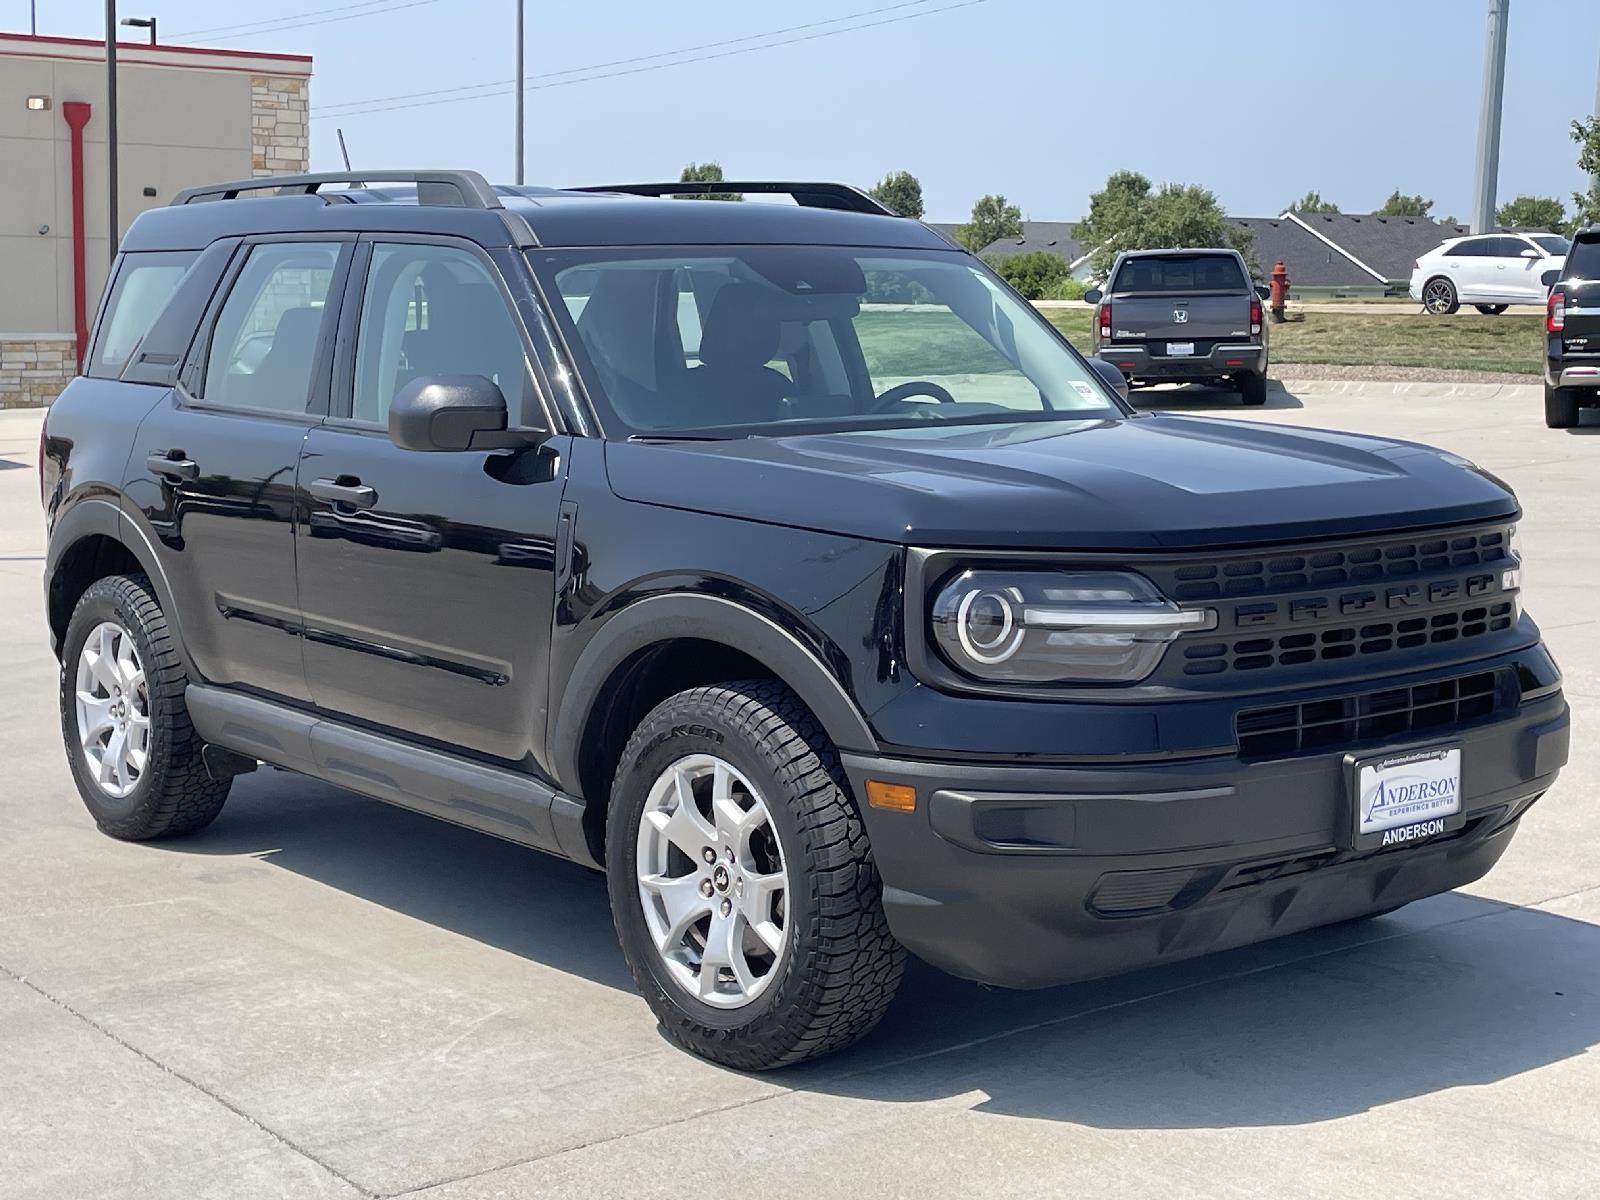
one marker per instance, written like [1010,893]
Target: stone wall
[280,142]
[34,367]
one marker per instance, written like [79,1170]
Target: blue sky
[1258,100]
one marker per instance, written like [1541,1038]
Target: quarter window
[264,345]
[144,286]
[432,310]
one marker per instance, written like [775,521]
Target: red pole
[77,114]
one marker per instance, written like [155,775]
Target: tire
[1252,389]
[1439,296]
[836,966]
[1491,310]
[1560,407]
[165,790]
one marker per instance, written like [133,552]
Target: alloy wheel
[712,881]
[1438,296]
[113,710]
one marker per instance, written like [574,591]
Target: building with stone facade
[185,116]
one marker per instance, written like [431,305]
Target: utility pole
[521,97]
[111,126]
[1494,87]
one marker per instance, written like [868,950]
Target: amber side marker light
[897,797]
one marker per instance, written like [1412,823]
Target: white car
[1488,270]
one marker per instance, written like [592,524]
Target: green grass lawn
[1466,341]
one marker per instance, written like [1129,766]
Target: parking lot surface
[321,995]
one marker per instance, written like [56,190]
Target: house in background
[186,115]
[1343,253]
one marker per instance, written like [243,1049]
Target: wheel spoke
[127,661]
[759,893]
[684,827]
[683,905]
[725,949]
[112,759]
[94,716]
[734,823]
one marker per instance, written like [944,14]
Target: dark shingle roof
[1053,236]
[1310,262]
[1389,245]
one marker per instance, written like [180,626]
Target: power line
[291,21]
[363,107]
[621,62]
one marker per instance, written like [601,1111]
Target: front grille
[1346,641]
[1286,730]
[1352,564]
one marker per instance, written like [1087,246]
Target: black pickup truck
[1183,316]
[1572,333]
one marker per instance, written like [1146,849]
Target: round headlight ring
[1007,633]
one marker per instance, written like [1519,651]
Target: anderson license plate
[1406,798]
[1179,349]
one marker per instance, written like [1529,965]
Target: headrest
[742,329]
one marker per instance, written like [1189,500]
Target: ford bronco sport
[781,562]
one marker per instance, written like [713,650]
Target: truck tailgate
[1189,317]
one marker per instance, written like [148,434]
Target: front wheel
[1560,407]
[1491,310]
[742,884]
[1439,296]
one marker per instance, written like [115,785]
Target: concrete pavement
[321,995]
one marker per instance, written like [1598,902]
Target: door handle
[171,464]
[346,489]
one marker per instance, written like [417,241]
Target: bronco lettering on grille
[1319,608]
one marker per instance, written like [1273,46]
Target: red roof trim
[42,40]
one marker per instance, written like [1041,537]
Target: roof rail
[449,189]
[839,196]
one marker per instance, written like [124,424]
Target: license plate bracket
[1404,798]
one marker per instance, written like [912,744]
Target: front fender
[664,618]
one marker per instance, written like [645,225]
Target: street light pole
[1494,87]
[111,126]
[520,96]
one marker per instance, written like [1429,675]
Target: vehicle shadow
[1197,398]
[1449,992]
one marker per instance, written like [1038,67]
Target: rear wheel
[1561,407]
[1439,296]
[135,756]
[742,883]
[1491,310]
[1252,388]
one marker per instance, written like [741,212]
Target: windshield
[1179,273]
[782,339]
[1553,244]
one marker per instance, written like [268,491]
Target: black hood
[1141,483]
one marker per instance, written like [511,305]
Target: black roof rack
[839,196]
[449,189]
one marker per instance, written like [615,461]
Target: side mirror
[1530,252]
[1111,374]
[1263,291]
[1550,278]
[1093,296]
[450,412]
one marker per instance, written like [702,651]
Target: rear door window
[1584,260]
[1180,273]
[264,344]
[144,285]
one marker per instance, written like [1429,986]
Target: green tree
[1586,205]
[706,172]
[901,192]
[1037,274]
[992,219]
[1312,202]
[1404,206]
[1532,212]
[1127,214]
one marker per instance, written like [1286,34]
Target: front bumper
[1033,876]
[1224,359]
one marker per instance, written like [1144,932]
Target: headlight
[1056,626]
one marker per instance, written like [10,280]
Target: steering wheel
[913,387]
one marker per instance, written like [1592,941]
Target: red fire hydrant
[1278,286]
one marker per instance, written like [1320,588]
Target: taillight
[1105,320]
[1255,316]
[1555,313]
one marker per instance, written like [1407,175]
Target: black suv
[780,561]
[1572,333]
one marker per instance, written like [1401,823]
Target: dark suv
[781,562]
[1572,333]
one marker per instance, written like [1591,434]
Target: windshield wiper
[683,437]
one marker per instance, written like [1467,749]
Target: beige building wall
[184,117]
